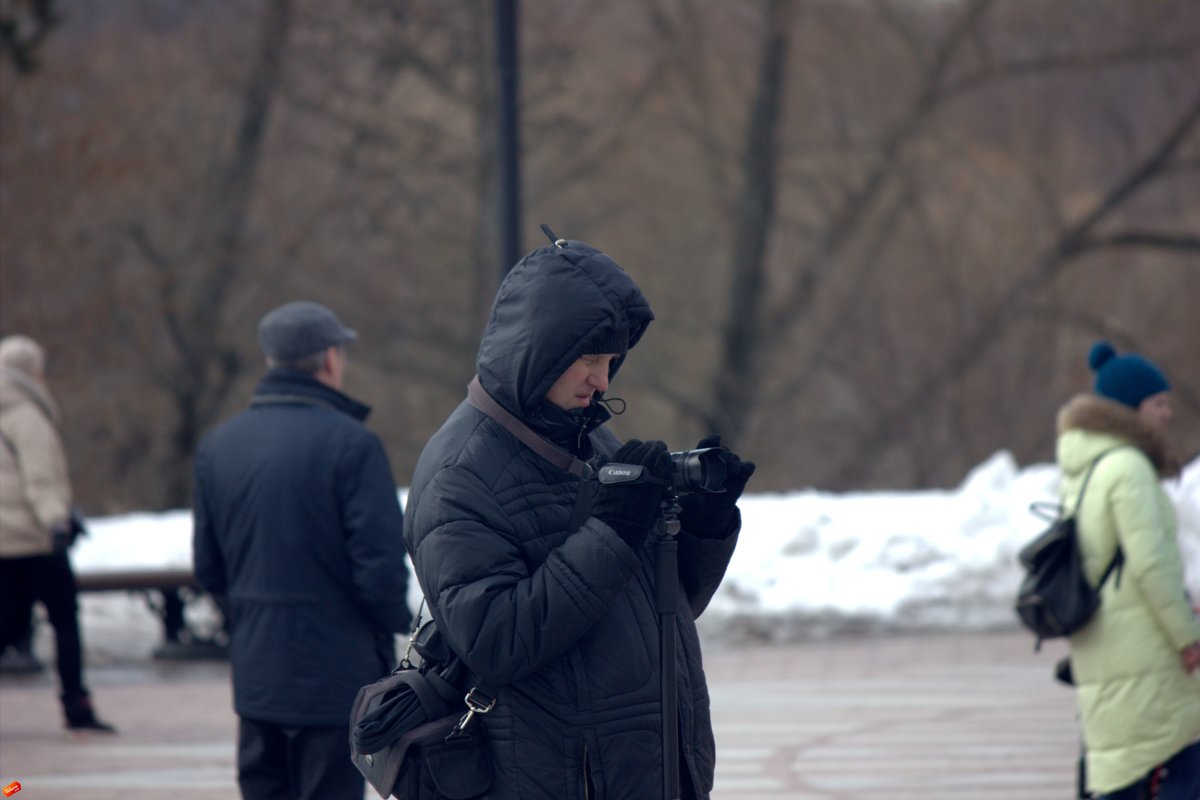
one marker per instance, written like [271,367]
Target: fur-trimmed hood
[1092,414]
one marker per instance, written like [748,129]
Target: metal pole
[508,139]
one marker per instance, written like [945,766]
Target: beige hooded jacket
[35,490]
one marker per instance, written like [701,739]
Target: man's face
[575,387]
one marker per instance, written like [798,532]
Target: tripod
[666,592]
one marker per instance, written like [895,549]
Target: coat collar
[1090,412]
[570,428]
[284,385]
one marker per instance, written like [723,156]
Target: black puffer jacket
[297,522]
[559,621]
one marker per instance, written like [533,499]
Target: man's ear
[325,372]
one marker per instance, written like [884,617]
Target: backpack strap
[1088,477]
[478,397]
[1118,559]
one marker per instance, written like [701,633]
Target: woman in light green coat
[1136,665]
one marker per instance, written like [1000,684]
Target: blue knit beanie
[1128,379]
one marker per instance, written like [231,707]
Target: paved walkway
[913,718]
[932,717]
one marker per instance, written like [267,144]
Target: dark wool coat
[298,523]
[558,618]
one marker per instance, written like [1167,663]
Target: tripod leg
[666,596]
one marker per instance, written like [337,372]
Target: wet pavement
[975,716]
[932,717]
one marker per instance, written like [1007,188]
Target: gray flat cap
[299,329]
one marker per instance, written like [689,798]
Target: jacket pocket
[620,650]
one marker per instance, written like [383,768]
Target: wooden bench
[173,588]
[135,580]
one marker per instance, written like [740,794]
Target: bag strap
[478,397]
[1088,477]
[1118,559]
[406,660]
[480,699]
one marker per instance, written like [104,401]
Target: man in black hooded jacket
[298,526]
[548,597]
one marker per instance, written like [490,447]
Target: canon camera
[692,471]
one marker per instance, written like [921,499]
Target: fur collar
[1091,412]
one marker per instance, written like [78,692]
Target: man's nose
[599,378]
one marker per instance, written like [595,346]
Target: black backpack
[1055,599]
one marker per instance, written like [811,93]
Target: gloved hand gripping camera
[692,471]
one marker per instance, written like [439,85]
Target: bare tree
[23,28]
[196,369]
[878,236]
[778,332]
[1080,238]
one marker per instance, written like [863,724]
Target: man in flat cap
[298,530]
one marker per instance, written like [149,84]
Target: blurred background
[879,235]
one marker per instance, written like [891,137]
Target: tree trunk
[735,379]
[203,370]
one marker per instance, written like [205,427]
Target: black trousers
[296,762]
[50,581]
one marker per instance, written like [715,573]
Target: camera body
[692,471]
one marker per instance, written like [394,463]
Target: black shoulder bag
[411,733]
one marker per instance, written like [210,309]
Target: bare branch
[1072,62]
[841,229]
[1181,242]
[147,249]
[1047,268]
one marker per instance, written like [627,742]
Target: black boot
[82,717]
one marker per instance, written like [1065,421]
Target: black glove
[709,515]
[64,534]
[77,523]
[630,508]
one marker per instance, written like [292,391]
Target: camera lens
[699,470]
